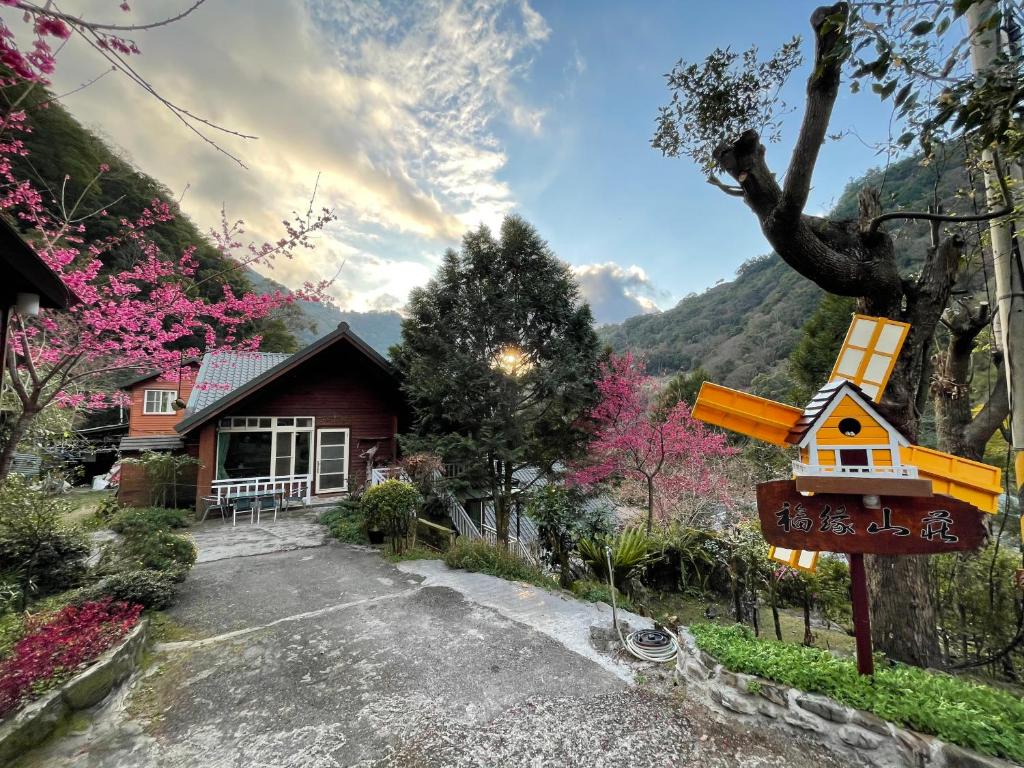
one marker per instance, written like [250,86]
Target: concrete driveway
[310,654]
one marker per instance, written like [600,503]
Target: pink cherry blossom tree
[671,454]
[149,316]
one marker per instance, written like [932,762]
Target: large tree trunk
[958,430]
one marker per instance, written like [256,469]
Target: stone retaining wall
[859,738]
[35,721]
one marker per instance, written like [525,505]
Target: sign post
[861,614]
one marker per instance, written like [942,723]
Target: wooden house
[304,424]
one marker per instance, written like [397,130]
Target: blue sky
[426,119]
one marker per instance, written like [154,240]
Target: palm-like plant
[631,550]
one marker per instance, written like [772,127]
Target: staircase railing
[524,546]
[460,518]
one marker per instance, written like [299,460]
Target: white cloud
[615,292]
[393,104]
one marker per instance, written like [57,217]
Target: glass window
[285,422]
[302,452]
[243,454]
[159,401]
[283,454]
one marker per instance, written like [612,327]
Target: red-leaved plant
[55,647]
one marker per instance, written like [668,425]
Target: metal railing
[460,518]
[290,486]
[827,470]
[516,546]
[525,545]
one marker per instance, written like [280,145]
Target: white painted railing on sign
[291,486]
[828,470]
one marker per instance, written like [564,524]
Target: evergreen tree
[499,357]
[812,359]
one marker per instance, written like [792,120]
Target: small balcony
[830,470]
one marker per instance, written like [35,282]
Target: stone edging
[35,721]
[859,738]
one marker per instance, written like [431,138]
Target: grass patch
[955,710]
[346,522]
[599,592]
[481,557]
[690,609]
[163,629]
[416,553]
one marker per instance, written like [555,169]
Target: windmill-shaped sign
[859,487]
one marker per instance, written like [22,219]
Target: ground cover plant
[956,710]
[143,520]
[151,588]
[346,522]
[481,557]
[54,649]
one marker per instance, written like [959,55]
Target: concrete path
[317,656]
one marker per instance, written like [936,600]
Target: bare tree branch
[78,21]
[1006,210]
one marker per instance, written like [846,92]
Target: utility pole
[1006,253]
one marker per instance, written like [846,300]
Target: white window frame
[169,405]
[272,424]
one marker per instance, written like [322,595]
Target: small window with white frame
[159,401]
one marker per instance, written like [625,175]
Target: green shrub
[108,507]
[632,549]
[600,592]
[345,522]
[12,627]
[161,551]
[391,507]
[39,551]
[134,521]
[956,710]
[147,587]
[481,557]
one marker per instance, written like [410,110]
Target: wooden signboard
[841,523]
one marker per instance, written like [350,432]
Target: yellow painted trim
[880,323]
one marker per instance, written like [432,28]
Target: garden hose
[655,645]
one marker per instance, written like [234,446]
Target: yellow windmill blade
[971,481]
[869,353]
[747,414]
[800,559]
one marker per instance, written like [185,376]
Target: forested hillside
[748,327]
[308,321]
[60,148]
